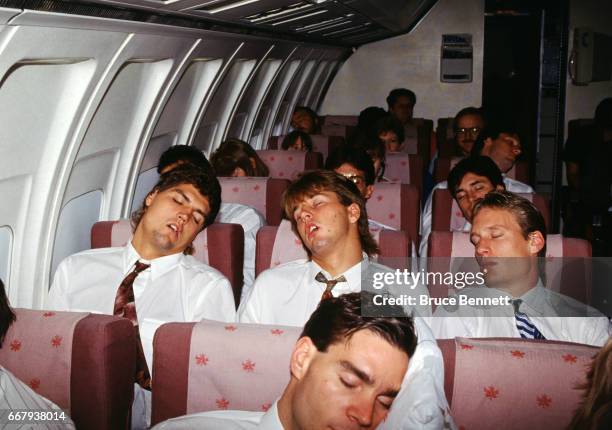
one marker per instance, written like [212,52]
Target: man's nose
[482,248]
[362,411]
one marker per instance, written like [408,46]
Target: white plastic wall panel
[146,182]
[317,94]
[247,110]
[222,103]
[73,232]
[308,83]
[6,246]
[308,97]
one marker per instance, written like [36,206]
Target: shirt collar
[159,265]
[352,274]
[270,420]
[536,298]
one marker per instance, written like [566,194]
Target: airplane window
[284,114]
[74,226]
[6,245]
[314,80]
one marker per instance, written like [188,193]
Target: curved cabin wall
[89,104]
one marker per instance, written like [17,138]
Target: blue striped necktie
[525,327]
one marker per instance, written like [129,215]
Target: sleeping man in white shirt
[328,212]
[231,213]
[346,370]
[166,284]
[509,235]
[503,146]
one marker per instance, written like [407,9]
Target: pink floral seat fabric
[320,143]
[83,363]
[214,366]
[499,383]
[397,206]
[227,240]
[289,164]
[262,194]
[404,168]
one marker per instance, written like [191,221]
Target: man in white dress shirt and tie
[503,146]
[151,280]
[346,370]
[328,212]
[509,236]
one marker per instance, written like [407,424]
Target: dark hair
[479,165]
[311,113]
[603,113]
[470,110]
[182,154]
[595,411]
[7,316]
[205,182]
[491,131]
[390,123]
[372,145]
[317,181]
[356,157]
[400,92]
[235,153]
[527,216]
[337,319]
[369,116]
[292,137]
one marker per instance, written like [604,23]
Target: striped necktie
[329,284]
[125,306]
[525,327]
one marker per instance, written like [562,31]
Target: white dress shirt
[512,185]
[539,304]
[251,221]
[17,396]
[175,288]
[289,294]
[225,420]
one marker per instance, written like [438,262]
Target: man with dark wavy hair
[152,280]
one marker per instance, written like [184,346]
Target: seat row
[85,364]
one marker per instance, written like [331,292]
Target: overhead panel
[345,23]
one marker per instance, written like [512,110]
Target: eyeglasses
[355,179]
[464,131]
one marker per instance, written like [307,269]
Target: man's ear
[150,197]
[368,192]
[500,187]
[303,354]
[536,242]
[354,212]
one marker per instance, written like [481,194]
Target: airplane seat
[337,130]
[567,266]
[350,120]
[397,206]
[210,366]
[443,166]
[278,245]
[226,239]
[84,363]
[289,164]
[523,383]
[447,216]
[404,168]
[320,143]
[262,194]
[445,136]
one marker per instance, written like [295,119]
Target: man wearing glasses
[356,165]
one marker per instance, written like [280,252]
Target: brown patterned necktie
[330,284]
[125,306]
